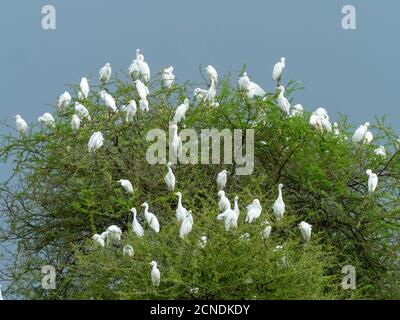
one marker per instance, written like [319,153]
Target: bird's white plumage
[75,123]
[142,89]
[144,105]
[212,73]
[359,134]
[151,218]
[113,235]
[224,203]
[128,250]
[211,92]
[168,77]
[180,210]
[136,226]
[99,240]
[170,178]
[21,125]
[155,274]
[380,151]
[187,225]
[251,88]
[176,143]
[199,94]
[95,142]
[127,185]
[372,180]
[105,74]
[279,204]
[180,113]
[64,100]
[278,69]
[130,111]
[222,178]
[108,99]
[84,86]
[81,111]
[266,232]
[283,102]
[47,119]
[297,110]
[253,211]
[368,137]
[305,229]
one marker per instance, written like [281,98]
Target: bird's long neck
[280,192]
[180,201]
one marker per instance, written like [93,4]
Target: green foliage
[60,195]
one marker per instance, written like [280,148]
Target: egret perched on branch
[316,122]
[321,113]
[372,181]
[81,111]
[95,142]
[222,178]
[212,73]
[155,274]
[127,250]
[84,85]
[105,74]
[326,125]
[142,89]
[75,123]
[359,134]
[283,103]
[151,218]
[187,225]
[180,113]
[231,216]
[224,203]
[144,105]
[127,185]
[211,92]
[267,230]
[64,100]
[170,178]
[22,127]
[113,235]
[380,151]
[305,229]
[136,226]
[368,137]
[48,120]
[98,240]
[279,205]
[130,111]
[253,211]
[180,210]
[144,69]
[108,100]
[278,70]
[251,88]
[176,143]
[168,77]
[297,111]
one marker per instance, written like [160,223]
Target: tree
[59,195]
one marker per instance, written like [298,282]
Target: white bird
[105,74]
[155,274]
[168,77]
[84,85]
[359,134]
[128,250]
[305,229]
[180,113]
[326,125]
[211,92]
[372,181]
[336,131]
[75,123]
[368,137]
[136,226]
[95,142]
[81,111]
[1,294]
[236,206]
[199,94]
[297,110]
[279,205]
[22,127]
[252,89]
[170,178]
[142,89]
[224,203]
[180,210]
[253,211]
[151,218]
[283,103]
[187,225]
[232,216]
[144,69]
[99,240]
[267,230]
[113,235]
[222,178]
[48,120]
[108,99]
[176,143]
[127,185]
[212,73]
[315,122]
[144,105]
[380,151]
[130,111]
[321,113]
[278,69]
[64,100]
[203,241]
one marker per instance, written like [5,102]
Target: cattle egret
[136,226]
[134,70]
[222,178]
[236,206]
[84,85]
[113,235]
[283,103]
[105,74]
[187,225]
[127,250]
[336,131]
[380,151]
[224,203]
[155,274]
[75,123]
[151,218]
[130,111]
[253,211]
[230,218]
[278,70]
[81,111]
[180,210]
[297,111]
[359,134]
[252,89]
[22,127]
[127,185]
[267,230]
[212,74]
[368,137]
[372,181]
[108,100]
[316,122]
[99,240]
[199,94]
[48,120]
[64,100]
[180,113]
[95,142]
[142,89]
[176,143]
[144,105]
[326,125]
[321,113]
[168,77]
[305,229]
[170,178]
[143,67]
[203,241]
[279,205]
[211,92]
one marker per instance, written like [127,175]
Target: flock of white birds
[140,72]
